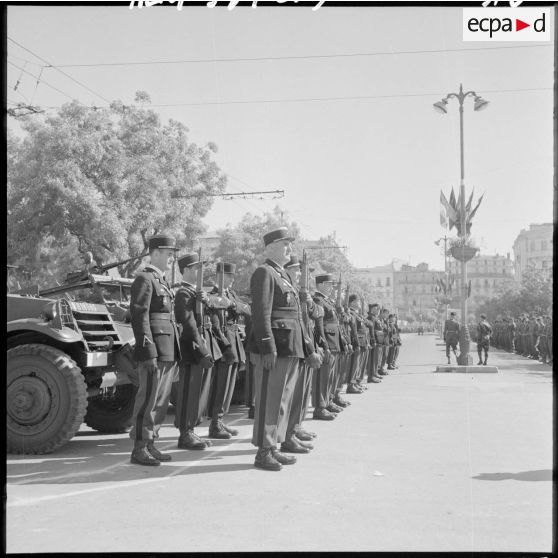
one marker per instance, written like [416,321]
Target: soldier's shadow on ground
[532,476]
[93,457]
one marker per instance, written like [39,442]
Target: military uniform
[376,339]
[200,351]
[382,360]
[227,332]
[327,336]
[156,337]
[451,336]
[484,333]
[276,328]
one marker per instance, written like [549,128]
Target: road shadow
[93,457]
[531,476]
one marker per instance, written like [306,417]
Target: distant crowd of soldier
[529,335]
[299,349]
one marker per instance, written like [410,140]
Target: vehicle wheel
[46,399]
[111,411]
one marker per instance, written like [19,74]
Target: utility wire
[306,57]
[318,99]
[42,81]
[49,65]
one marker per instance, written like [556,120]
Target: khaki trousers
[274,393]
[152,400]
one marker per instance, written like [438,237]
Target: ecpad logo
[506,24]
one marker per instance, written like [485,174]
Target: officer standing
[199,352]
[294,439]
[328,338]
[277,344]
[385,342]
[156,349]
[227,333]
[451,335]
[484,333]
[374,325]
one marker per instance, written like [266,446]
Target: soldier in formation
[529,335]
[300,349]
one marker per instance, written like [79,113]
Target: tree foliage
[534,294]
[103,180]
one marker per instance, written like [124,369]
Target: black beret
[374,305]
[352,297]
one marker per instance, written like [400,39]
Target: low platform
[466,369]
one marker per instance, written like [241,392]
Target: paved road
[420,462]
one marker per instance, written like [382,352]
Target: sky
[336,110]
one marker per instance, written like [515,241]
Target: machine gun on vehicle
[93,268]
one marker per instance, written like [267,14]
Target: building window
[544,245]
[544,264]
[387,282]
[378,282]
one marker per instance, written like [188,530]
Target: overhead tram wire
[49,65]
[42,81]
[305,57]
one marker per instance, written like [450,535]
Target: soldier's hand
[314,360]
[327,356]
[201,296]
[228,355]
[269,360]
[207,362]
[151,366]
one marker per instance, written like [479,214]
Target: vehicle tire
[111,412]
[46,399]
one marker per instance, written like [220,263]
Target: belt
[284,313]
[161,316]
[331,323]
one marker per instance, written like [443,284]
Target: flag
[453,203]
[443,218]
[468,206]
[472,213]
[450,211]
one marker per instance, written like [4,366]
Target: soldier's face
[280,251]
[162,258]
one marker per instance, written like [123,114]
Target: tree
[103,180]
[243,244]
[533,295]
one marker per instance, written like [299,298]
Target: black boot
[265,460]
[156,453]
[189,440]
[140,455]
[230,430]
[217,431]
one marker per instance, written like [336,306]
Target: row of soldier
[300,347]
[529,335]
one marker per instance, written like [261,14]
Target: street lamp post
[441,106]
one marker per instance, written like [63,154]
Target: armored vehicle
[69,361]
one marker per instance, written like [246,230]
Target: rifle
[221,293]
[199,287]
[76,276]
[338,302]
[304,288]
[346,301]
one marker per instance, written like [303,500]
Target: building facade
[381,278]
[415,292]
[489,276]
[533,248]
